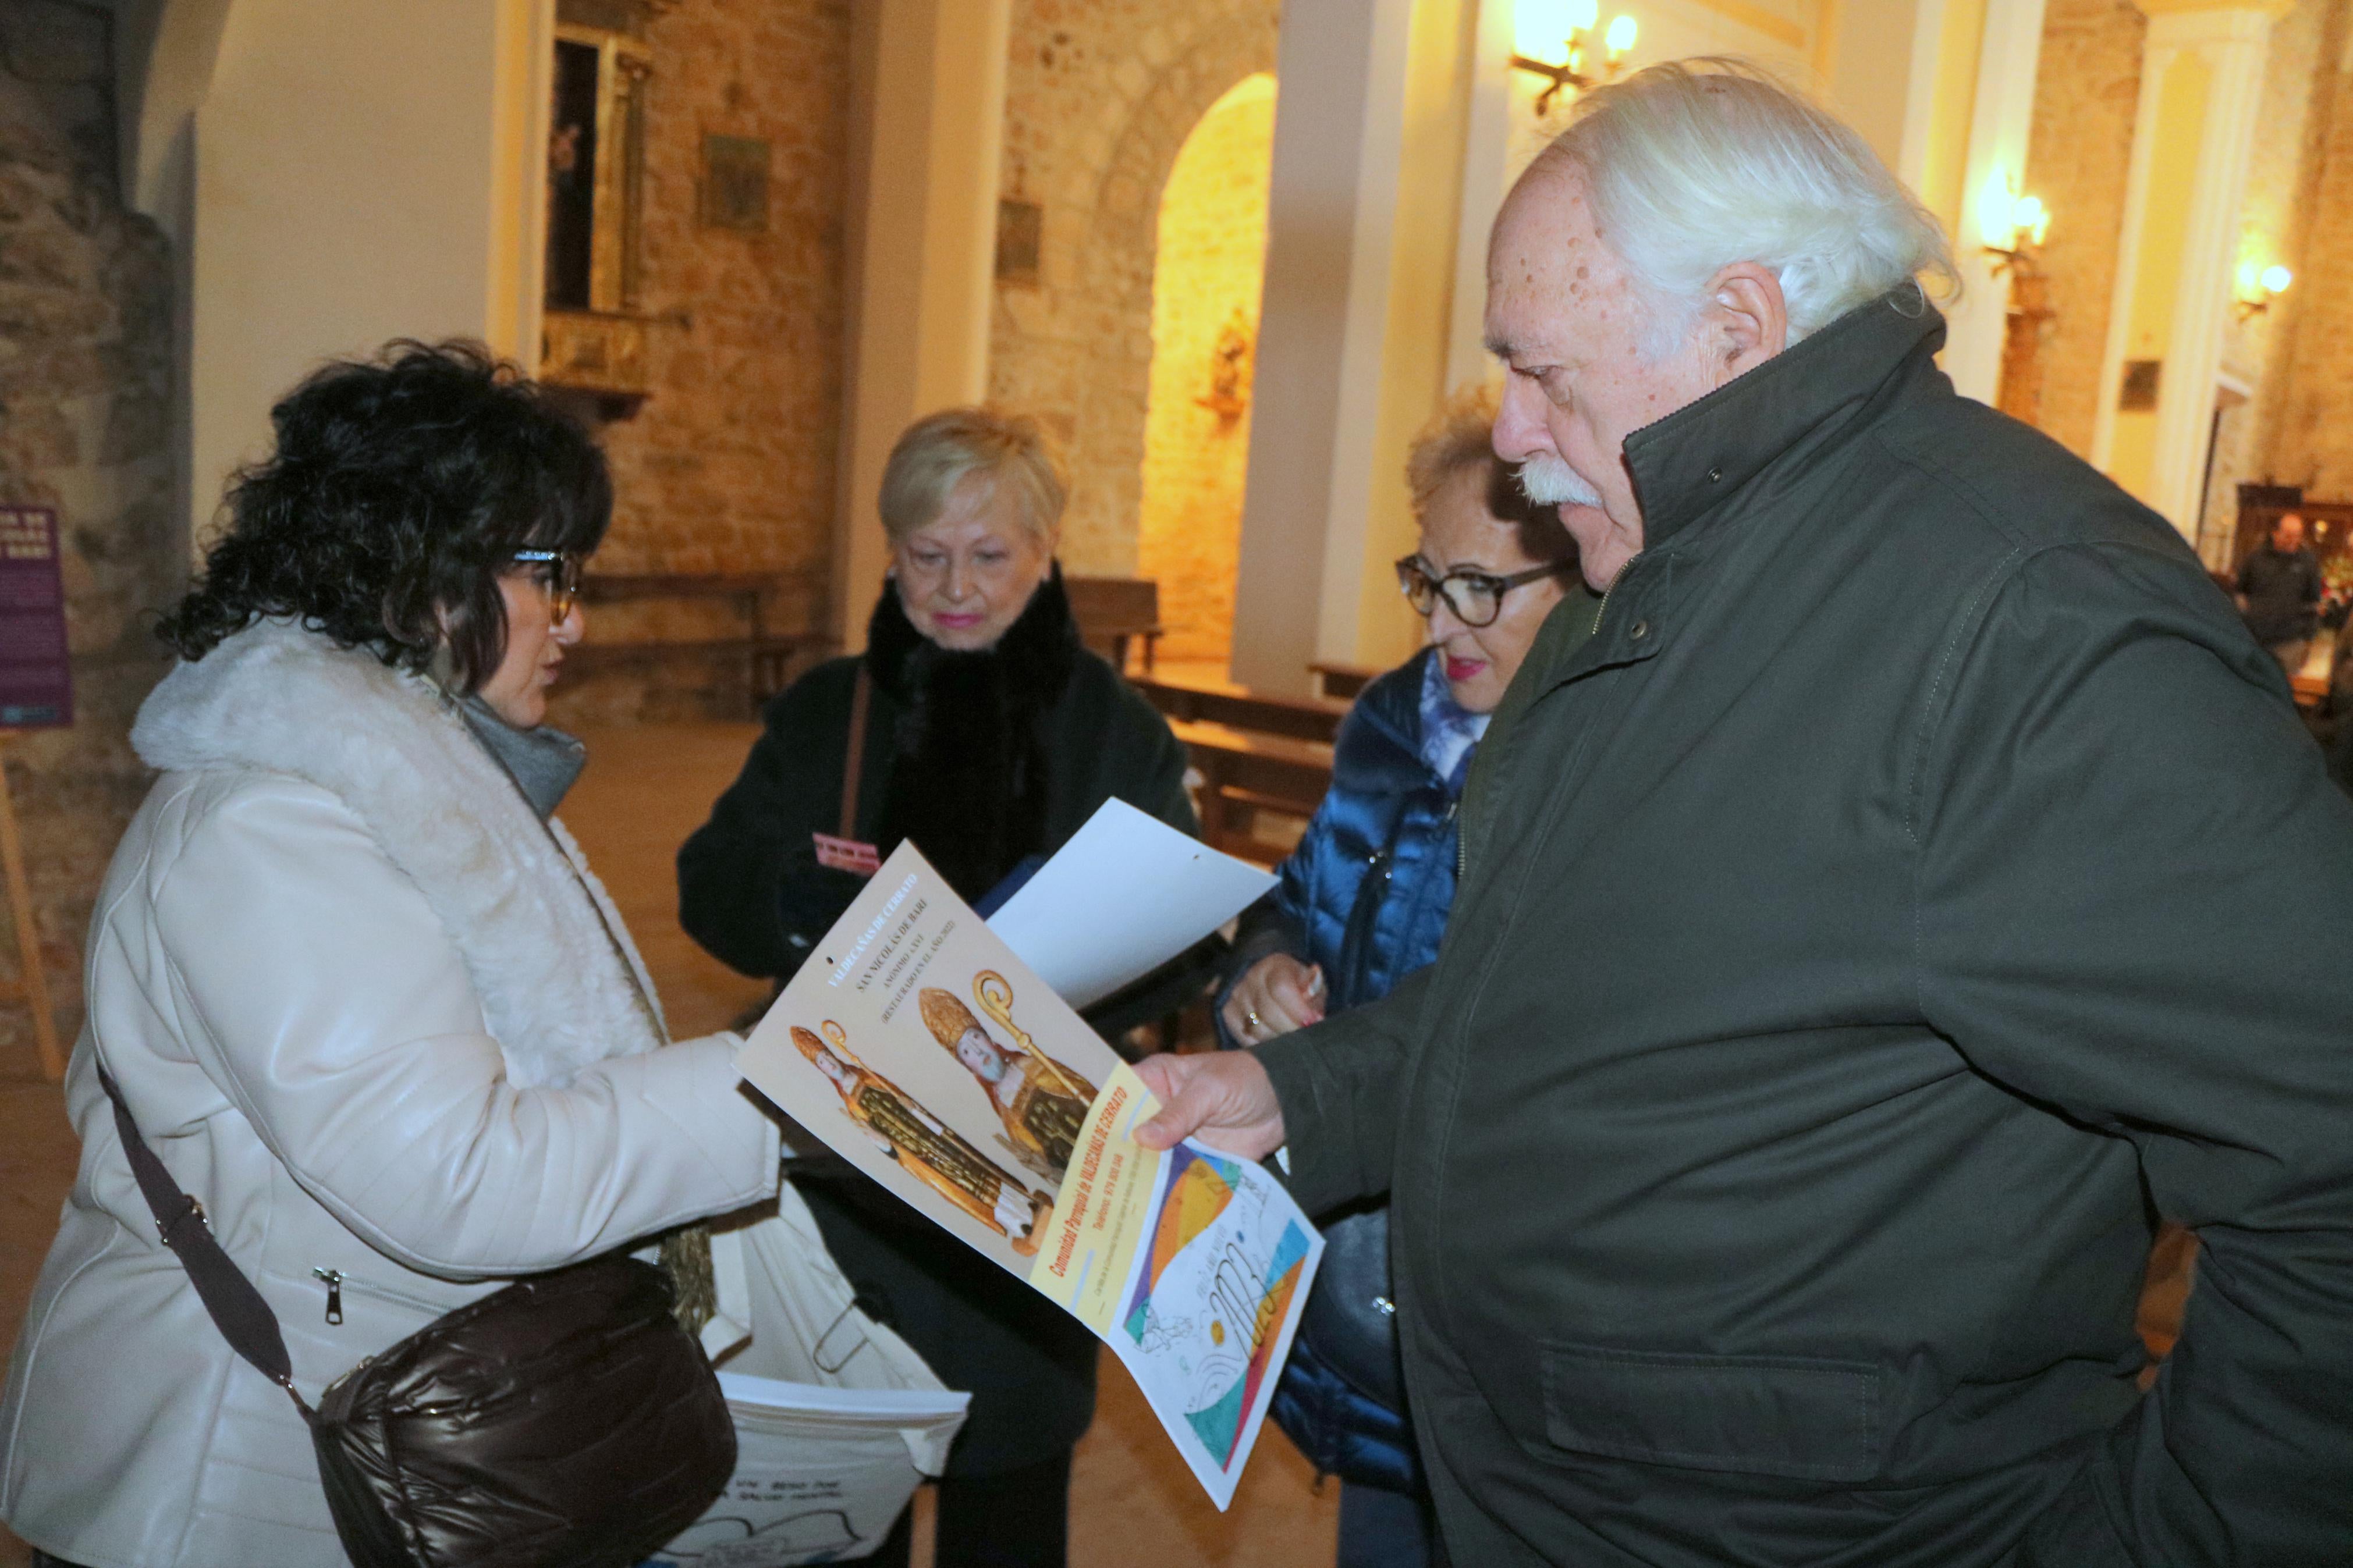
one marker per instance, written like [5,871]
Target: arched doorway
[1209,259]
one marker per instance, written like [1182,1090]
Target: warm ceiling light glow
[1583,14]
[2275,278]
[1620,37]
[1540,29]
[2007,220]
[1997,207]
[2032,221]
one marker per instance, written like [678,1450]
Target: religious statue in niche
[1230,372]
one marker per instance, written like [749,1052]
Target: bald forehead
[1545,253]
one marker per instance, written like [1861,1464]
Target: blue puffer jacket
[1366,895]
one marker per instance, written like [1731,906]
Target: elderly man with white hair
[1865,934]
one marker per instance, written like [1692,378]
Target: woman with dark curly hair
[353,979]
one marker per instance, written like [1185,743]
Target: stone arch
[1101,234]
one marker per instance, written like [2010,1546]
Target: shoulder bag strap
[238,1309]
[860,699]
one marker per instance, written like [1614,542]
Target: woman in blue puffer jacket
[1362,904]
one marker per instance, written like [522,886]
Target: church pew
[1244,773]
[1222,702]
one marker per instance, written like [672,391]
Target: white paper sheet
[1127,893]
[820,1473]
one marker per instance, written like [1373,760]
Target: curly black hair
[400,488]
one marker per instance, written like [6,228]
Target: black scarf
[968,766]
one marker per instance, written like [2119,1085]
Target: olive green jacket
[1916,882]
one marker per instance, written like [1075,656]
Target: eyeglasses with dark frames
[559,575]
[1475,598]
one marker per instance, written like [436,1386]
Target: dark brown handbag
[567,1419]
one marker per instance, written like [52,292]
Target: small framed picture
[735,183]
[1020,230]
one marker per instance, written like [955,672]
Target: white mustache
[1548,480]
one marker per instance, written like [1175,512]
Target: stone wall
[2086,89]
[85,377]
[1204,303]
[1099,99]
[729,466]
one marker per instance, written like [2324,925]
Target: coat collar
[1683,465]
[560,983]
[1037,652]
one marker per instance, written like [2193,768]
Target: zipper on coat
[1603,608]
[334,1281]
[339,1285]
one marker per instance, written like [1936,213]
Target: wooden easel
[30,986]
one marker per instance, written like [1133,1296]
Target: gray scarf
[545,762]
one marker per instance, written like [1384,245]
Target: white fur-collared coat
[383,1023]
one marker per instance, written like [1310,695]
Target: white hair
[1693,166]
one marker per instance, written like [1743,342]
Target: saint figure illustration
[1041,1102]
[925,1147]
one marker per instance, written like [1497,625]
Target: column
[332,173]
[1325,377]
[927,117]
[1486,179]
[2200,90]
[356,175]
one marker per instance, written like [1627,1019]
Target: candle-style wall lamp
[1554,39]
[2021,224]
[2259,286]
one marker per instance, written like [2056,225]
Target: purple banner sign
[36,677]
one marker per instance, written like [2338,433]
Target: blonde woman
[987,735]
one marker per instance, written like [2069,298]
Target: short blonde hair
[1460,438]
[939,451]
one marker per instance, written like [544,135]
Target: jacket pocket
[1797,1416]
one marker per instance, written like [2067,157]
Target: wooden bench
[1243,773]
[1222,702]
[770,660]
[1341,682]
[1111,611]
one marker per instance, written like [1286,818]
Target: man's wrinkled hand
[1224,1099]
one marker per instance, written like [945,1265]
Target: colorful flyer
[917,1045]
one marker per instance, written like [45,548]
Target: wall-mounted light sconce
[2259,286]
[2021,224]
[1554,39]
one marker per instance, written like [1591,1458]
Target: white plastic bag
[837,1419]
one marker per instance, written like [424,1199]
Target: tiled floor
[1133,1501]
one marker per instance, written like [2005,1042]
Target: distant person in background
[987,735]
[1363,903]
[2279,594]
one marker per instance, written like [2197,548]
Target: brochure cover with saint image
[916,1044]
